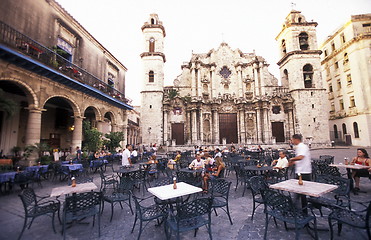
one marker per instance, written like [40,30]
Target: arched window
[299,19]
[151,76]
[336,134]
[283,45]
[152,21]
[344,128]
[303,41]
[308,76]
[285,75]
[151,45]
[355,128]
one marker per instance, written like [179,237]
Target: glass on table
[346,161]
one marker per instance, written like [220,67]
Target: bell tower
[300,70]
[153,60]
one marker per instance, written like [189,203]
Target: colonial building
[134,136]
[227,96]
[58,74]
[346,71]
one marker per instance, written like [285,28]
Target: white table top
[308,188]
[355,166]
[167,191]
[83,187]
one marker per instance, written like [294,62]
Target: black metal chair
[106,180]
[35,206]
[80,206]
[257,184]
[220,195]
[341,195]
[189,216]
[147,214]
[281,207]
[357,219]
[120,193]
[23,179]
[139,178]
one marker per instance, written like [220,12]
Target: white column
[199,87]
[239,81]
[166,136]
[213,83]
[194,127]
[261,81]
[33,130]
[217,140]
[256,80]
[77,132]
[242,124]
[193,82]
[201,127]
[258,126]
[124,126]
[243,89]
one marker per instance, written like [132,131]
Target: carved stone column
[33,130]
[166,127]
[193,82]
[194,126]
[242,126]
[199,85]
[258,126]
[77,132]
[213,83]
[201,126]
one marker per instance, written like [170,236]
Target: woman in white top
[281,162]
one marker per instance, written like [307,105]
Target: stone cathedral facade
[226,96]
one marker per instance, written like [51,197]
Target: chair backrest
[220,187]
[193,209]
[185,177]
[28,198]
[327,158]
[342,183]
[126,185]
[258,184]
[163,182]
[82,201]
[279,202]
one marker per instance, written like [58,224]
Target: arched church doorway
[228,127]
[177,133]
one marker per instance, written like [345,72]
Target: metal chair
[357,219]
[281,207]
[23,179]
[35,206]
[341,195]
[257,184]
[106,180]
[146,214]
[139,178]
[80,206]
[220,195]
[120,193]
[190,216]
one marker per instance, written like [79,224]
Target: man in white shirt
[302,159]
[281,162]
[217,153]
[126,161]
[197,163]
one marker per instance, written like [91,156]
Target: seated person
[102,154]
[209,162]
[96,155]
[361,159]
[198,163]
[216,171]
[281,162]
[152,168]
[176,159]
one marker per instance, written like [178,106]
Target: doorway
[228,127]
[278,131]
[177,133]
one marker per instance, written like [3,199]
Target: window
[151,45]
[345,59]
[330,88]
[314,119]
[152,21]
[366,25]
[342,38]
[336,65]
[285,75]
[341,103]
[344,128]
[283,45]
[303,41]
[339,84]
[312,105]
[110,80]
[352,102]
[326,53]
[150,106]
[276,109]
[333,46]
[308,75]
[151,76]
[355,129]
[349,79]
[332,108]
[336,131]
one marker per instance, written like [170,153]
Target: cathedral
[226,96]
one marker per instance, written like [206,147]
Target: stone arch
[30,93]
[75,107]
[111,115]
[98,114]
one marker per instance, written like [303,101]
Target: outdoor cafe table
[124,171]
[7,177]
[349,167]
[73,167]
[168,192]
[256,168]
[187,170]
[313,189]
[65,190]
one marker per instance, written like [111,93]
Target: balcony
[24,52]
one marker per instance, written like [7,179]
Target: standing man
[302,159]
[78,153]
[217,153]
[126,161]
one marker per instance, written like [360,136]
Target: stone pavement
[11,217]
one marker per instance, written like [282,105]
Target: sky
[200,25]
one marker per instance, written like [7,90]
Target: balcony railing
[25,45]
